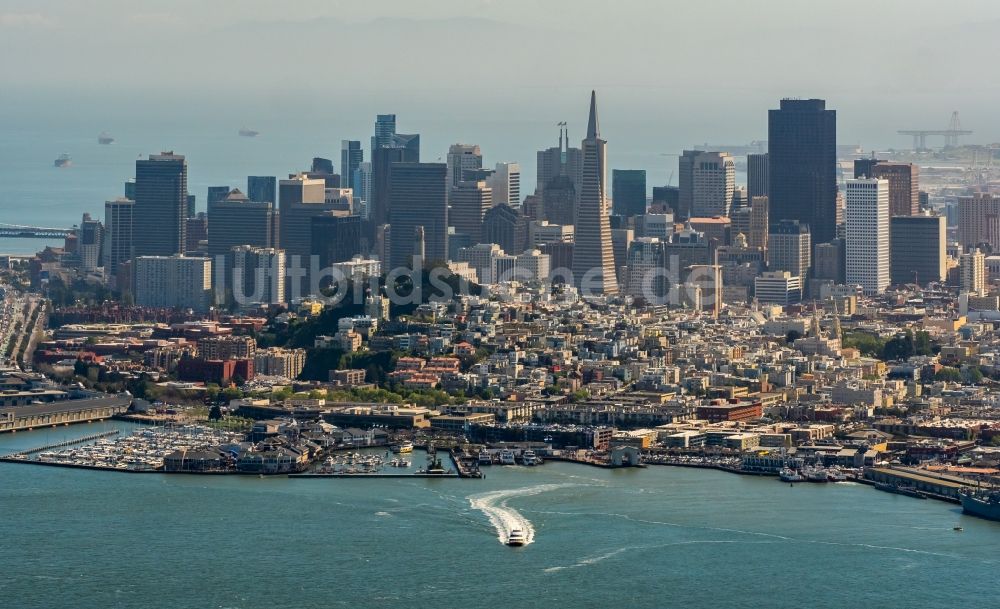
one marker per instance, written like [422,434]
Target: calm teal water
[661,537]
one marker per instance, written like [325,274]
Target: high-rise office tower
[117,234]
[790,248]
[173,281]
[192,205]
[262,189]
[363,187]
[506,184]
[593,258]
[904,186]
[759,223]
[130,189]
[802,166]
[972,272]
[468,203]
[160,211]
[559,201]
[666,199]
[756,175]
[89,246]
[867,234]
[216,194]
[385,129]
[461,158]
[559,161]
[865,168]
[645,262]
[258,276]
[507,227]
[336,237]
[979,220]
[300,198]
[740,199]
[382,161]
[628,192]
[196,233]
[828,261]
[418,197]
[685,183]
[237,220]
[708,180]
[322,166]
[351,157]
[917,249]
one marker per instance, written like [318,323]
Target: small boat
[485,458]
[245,132]
[816,474]
[105,138]
[64,160]
[403,447]
[516,538]
[835,475]
[507,457]
[790,475]
[528,457]
[957,529]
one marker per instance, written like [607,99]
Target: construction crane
[670,181]
[950,134]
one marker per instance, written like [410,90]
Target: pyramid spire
[593,129]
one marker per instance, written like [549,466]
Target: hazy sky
[700,71]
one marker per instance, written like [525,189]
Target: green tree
[215,414]
[792,336]
[948,375]
[899,347]
[972,375]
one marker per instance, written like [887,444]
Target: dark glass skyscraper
[236,220]
[385,129]
[160,208]
[351,157]
[418,197]
[802,166]
[756,175]
[628,192]
[216,194]
[261,189]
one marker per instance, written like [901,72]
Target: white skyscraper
[363,187]
[714,182]
[867,236]
[506,184]
[593,256]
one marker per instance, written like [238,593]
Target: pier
[80,440]
[62,412]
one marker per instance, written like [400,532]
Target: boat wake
[505,518]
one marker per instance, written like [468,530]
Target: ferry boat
[403,447]
[245,132]
[984,503]
[64,160]
[835,475]
[790,475]
[507,457]
[105,138]
[816,474]
[516,538]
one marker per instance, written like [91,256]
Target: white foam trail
[505,518]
